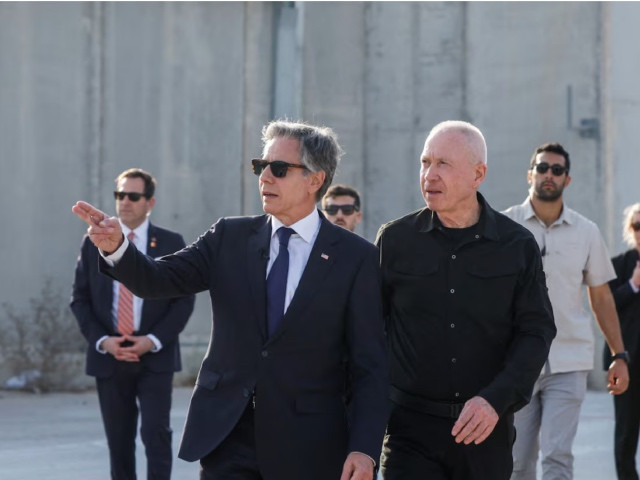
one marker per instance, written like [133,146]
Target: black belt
[422,405]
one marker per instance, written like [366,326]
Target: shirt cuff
[100,340]
[113,259]
[156,342]
[633,287]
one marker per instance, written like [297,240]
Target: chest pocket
[492,287]
[412,283]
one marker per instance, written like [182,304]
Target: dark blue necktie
[277,282]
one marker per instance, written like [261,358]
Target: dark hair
[339,190]
[149,181]
[553,148]
[319,148]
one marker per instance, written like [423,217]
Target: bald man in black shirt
[468,319]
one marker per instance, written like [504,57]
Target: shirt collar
[427,220]
[305,227]
[529,213]
[140,231]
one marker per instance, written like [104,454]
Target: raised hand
[104,231]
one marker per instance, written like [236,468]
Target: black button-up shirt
[467,309]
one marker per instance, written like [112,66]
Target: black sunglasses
[278,167]
[346,209]
[556,169]
[133,196]
[635,226]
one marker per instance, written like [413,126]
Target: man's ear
[529,175]
[317,180]
[481,173]
[567,181]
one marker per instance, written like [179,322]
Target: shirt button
[457,394]
[453,325]
[453,360]
[477,236]
[452,290]
[453,257]
[264,354]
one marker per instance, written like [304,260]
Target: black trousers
[235,458]
[627,416]
[420,447]
[133,389]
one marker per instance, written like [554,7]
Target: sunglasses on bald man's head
[543,167]
[278,167]
[133,196]
[346,209]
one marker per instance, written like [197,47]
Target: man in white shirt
[133,349]
[573,254]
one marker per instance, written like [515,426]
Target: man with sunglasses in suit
[133,348]
[341,206]
[297,323]
[573,254]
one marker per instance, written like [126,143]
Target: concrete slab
[59,437]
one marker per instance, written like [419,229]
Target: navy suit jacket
[330,342]
[92,299]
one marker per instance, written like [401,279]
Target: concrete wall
[182,89]
[621,110]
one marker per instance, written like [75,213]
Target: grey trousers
[549,423]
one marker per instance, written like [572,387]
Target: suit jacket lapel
[152,251]
[106,299]
[322,257]
[152,241]
[257,257]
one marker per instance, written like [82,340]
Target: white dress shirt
[140,241]
[300,245]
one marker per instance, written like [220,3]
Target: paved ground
[60,437]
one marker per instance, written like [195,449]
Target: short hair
[149,181]
[475,140]
[340,190]
[319,148]
[553,148]
[627,234]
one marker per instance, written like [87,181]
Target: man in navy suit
[133,348]
[288,342]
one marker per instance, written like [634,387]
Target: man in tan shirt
[573,254]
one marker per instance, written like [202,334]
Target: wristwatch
[623,355]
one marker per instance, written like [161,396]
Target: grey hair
[319,148]
[475,140]
[627,233]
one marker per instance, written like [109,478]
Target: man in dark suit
[297,323]
[133,348]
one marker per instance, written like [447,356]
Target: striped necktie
[125,304]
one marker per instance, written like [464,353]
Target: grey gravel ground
[59,437]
